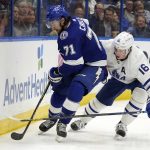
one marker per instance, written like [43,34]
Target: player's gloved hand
[54,76]
[148,107]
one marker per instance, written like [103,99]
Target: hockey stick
[19,136]
[78,116]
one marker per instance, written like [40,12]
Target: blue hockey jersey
[79,46]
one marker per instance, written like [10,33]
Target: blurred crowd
[26,18]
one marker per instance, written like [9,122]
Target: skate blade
[60,139]
[119,137]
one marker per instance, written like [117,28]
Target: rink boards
[24,65]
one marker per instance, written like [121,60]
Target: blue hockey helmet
[55,12]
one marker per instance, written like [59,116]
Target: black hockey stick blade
[17,136]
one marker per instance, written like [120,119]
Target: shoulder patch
[63,35]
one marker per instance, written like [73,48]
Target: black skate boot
[121,130]
[61,132]
[46,125]
[78,125]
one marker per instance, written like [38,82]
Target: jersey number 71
[69,49]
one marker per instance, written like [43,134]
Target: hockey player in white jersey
[129,69]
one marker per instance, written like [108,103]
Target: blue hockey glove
[54,76]
[148,107]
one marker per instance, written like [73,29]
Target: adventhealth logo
[28,89]
[40,57]
[33,86]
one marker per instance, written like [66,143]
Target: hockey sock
[75,94]
[138,99]
[93,107]
[56,104]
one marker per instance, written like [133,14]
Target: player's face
[120,54]
[55,25]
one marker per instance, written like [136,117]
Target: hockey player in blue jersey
[129,69]
[84,65]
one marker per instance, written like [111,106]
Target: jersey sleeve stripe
[97,41]
[147,84]
[97,63]
[148,88]
[79,61]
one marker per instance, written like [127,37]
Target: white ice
[98,135]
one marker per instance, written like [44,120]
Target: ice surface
[98,135]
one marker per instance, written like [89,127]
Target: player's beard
[62,28]
[65,24]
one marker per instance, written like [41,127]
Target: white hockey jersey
[136,66]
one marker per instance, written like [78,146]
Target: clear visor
[50,24]
[121,54]
[121,50]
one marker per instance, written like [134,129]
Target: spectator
[17,31]
[115,30]
[23,10]
[24,19]
[107,3]
[96,20]
[140,28]
[75,3]
[3,23]
[128,11]
[108,19]
[115,25]
[139,9]
[125,23]
[79,12]
[31,27]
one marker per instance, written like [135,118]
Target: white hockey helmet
[123,41]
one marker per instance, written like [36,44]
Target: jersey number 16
[143,68]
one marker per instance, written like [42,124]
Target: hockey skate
[78,125]
[46,125]
[121,130]
[61,132]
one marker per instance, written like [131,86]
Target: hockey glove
[54,76]
[148,107]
